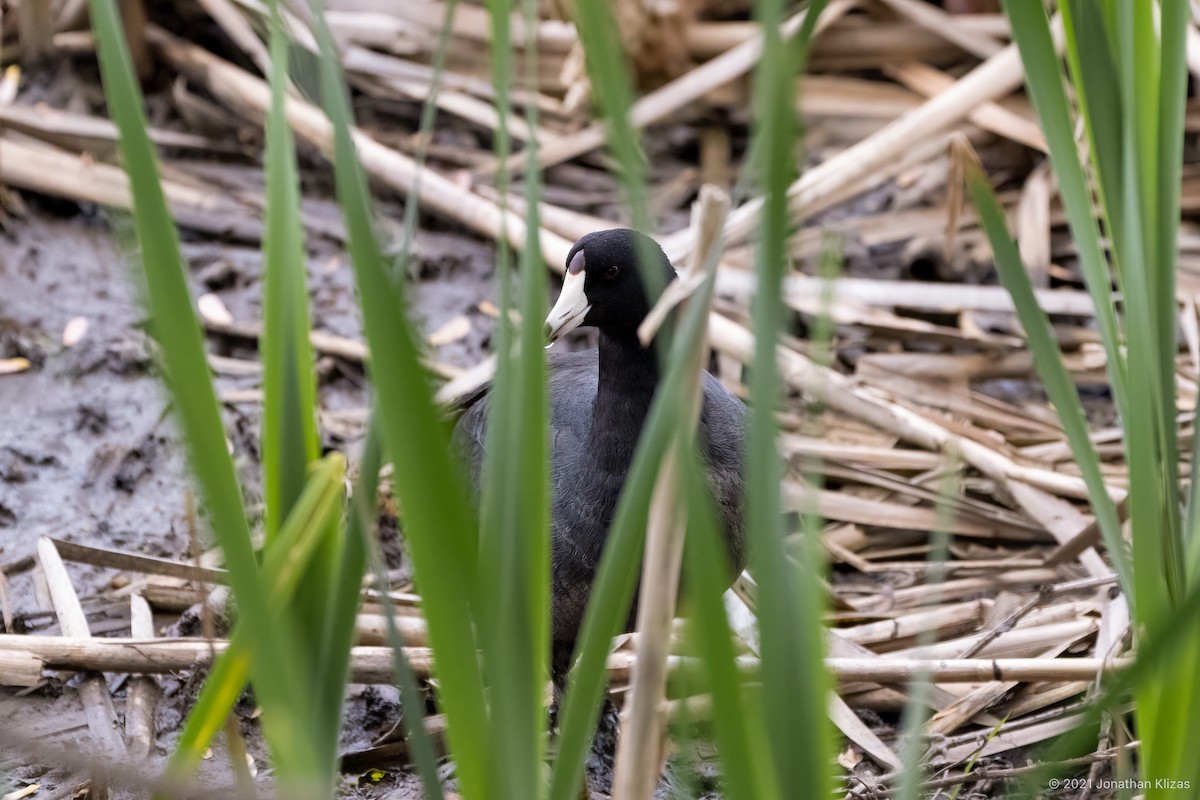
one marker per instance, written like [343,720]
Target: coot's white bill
[570,310]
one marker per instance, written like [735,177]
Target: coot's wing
[572,389]
[723,419]
[722,423]
[470,434]
[572,385]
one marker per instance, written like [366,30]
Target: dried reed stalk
[641,750]
[93,691]
[375,664]
[251,97]
[44,168]
[841,395]
[682,91]
[999,75]
[142,695]
[35,20]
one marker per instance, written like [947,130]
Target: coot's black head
[603,287]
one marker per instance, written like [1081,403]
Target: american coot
[598,404]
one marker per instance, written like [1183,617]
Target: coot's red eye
[612,272]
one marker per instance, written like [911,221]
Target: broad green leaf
[790,601]
[289,428]
[175,327]
[514,525]
[318,507]
[438,522]
[1059,386]
[1043,77]
[737,710]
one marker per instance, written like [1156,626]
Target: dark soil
[88,452]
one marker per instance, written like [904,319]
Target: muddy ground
[88,452]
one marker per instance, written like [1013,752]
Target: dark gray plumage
[598,404]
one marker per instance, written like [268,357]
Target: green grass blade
[1154,81]
[1091,57]
[534,398]
[299,540]
[363,519]
[609,603]
[612,87]
[1043,77]
[1176,17]
[438,523]
[1160,646]
[429,108]
[289,428]
[917,707]
[290,439]
[1149,429]
[1192,520]
[737,711]
[1059,386]
[338,630]
[515,524]
[363,524]
[178,332]
[301,535]
[221,691]
[793,674]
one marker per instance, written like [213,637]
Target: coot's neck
[627,380]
